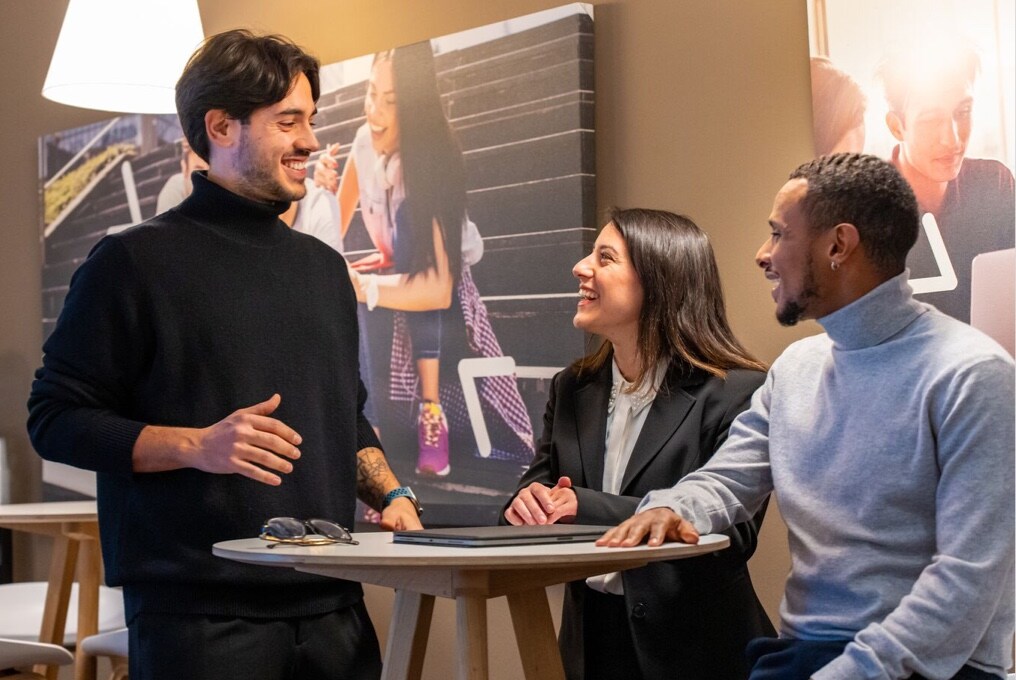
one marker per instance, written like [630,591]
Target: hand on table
[536,504]
[400,515]
[659,524]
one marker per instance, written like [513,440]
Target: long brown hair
[682,315]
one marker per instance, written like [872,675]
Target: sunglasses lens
[329,529]
[285,528]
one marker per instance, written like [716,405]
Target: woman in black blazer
[649,406]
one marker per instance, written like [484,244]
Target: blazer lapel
[668,411]
[591,426]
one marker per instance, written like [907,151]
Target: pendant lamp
[123,55]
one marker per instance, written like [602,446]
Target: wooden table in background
[74,527]
[470,576]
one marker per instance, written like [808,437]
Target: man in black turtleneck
[205,366]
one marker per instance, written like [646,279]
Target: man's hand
[400,515]
[246,442]
[326,171]
[536,504]
[660,524]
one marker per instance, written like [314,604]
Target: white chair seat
[21,607]
[18,653]
[113,643]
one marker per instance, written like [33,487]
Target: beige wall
[702,107]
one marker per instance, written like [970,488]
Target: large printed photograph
[461,330]
[928,85]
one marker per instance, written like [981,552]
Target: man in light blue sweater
[889,440]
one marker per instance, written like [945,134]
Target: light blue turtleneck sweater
[889,442]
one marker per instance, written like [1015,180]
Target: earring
[834,265]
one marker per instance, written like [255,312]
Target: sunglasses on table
[293,531]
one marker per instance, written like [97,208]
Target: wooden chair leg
[119,668]
[89,566]
[61,576]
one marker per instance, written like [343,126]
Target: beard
[793,311]
[259,176]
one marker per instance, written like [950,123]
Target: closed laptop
[486,537]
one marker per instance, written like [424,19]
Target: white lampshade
[123,55]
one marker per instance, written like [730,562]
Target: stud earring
[834,265]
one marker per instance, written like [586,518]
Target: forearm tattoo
[372,475]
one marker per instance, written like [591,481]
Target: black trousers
[608,651]
[339,645]
[785,659]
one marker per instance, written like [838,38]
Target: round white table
[470,576]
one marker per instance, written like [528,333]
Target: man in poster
[930,97]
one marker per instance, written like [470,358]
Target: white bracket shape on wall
[485,367]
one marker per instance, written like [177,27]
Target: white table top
[377,549]
[61,511]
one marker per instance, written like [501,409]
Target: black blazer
[691,618]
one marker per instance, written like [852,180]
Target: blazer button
[639,611]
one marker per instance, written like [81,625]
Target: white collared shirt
[626,414]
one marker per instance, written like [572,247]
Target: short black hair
[868,193]
[239,72]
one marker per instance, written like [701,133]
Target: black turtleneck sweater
[207,308]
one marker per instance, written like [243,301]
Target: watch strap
[401,492]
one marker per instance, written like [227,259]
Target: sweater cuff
[117,436]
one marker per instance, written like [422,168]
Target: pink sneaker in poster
[432,429]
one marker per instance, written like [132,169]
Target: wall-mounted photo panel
[927,84]
[467,312]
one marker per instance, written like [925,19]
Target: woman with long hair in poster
[406,172]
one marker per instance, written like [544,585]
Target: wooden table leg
[534,633]
[471,634]
[89,568]
[407,636]
[58,595]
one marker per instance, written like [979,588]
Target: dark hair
[238,72]
[910,67]
[868,193]
[837,104]
[432,166]
[682,315]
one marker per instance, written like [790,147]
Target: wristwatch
[402,492]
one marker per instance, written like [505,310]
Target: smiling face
[270,163]
[381,109]
[610,293]
[789,258]
[934,128]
